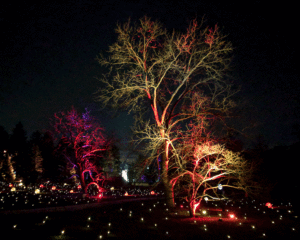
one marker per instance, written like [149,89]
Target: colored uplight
[100,195]
[41,186]
[269,205]
[152,193]
[53,188]
[126,194]
[71,191]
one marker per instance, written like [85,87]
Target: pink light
[100,195]
[269,205]
[231,215]
[41,186]
[152,193]
[53,188]
[126,194]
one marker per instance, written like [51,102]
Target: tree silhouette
[19,150]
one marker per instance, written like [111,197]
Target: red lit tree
[205,168]
[175,77]
[82,142]
[199,161]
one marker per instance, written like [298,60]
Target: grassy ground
[150,219]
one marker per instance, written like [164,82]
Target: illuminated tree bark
[210,167]
[153,70]
[82,140]
[12,174]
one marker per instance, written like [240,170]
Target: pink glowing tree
[205,166]
[82,141]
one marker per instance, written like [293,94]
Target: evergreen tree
[3,154]
[20,153]
[51,164]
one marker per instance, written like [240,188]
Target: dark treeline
[30,159]
[42,157]
[277,170]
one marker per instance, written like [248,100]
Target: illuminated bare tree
[152,70]
[82,139]
[204,166]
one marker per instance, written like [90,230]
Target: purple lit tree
[82,141]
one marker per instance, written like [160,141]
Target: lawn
[141,216]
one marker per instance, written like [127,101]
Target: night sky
[48,52]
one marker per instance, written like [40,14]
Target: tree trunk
[169,194]
[12,175]
[82,181]
[191,209]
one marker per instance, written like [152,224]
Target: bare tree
[204,167]
[176,77]
[82,139]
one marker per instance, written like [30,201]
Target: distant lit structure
[125,175]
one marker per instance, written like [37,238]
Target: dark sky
[48,52]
